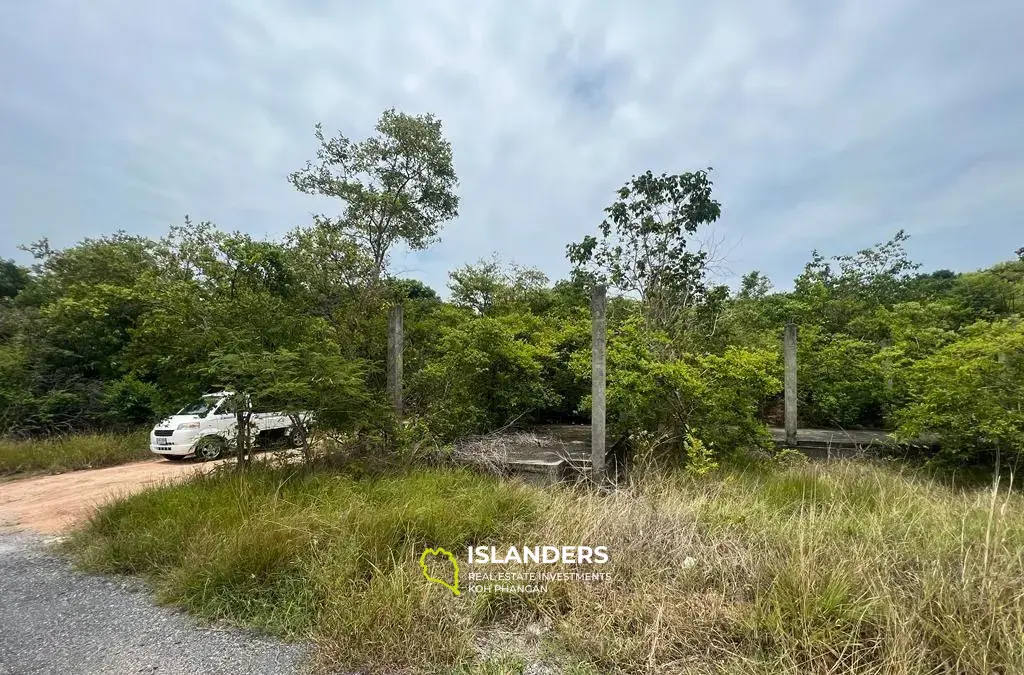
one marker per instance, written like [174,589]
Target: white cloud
[822,120]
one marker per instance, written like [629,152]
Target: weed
[72,452]
[847,567]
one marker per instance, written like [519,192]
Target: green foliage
[996,292]
[397,186]
[699,457]
[875,338]
[971,393]
[115,331]
[705,400]
[841,383]
[13,278]
[643,242]
[129,401]
[485,372]
[490,287]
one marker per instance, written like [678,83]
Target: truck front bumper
[175,445]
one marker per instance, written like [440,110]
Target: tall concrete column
[599,322]
[789,359]
[395,343]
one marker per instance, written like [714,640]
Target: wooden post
[599,324]
[395,340]
[789,358]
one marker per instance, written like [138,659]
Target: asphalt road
[56,620]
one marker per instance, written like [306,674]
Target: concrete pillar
[395,343]
[789,358]
[598,373]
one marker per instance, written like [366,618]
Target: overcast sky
[829,124]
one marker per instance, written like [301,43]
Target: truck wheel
[209,448]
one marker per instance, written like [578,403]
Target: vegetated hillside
[838,568]
[114,331]
[111,332]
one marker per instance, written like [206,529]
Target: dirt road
[56,620]
[53,504]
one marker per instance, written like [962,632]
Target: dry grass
[839,568]
[822,569]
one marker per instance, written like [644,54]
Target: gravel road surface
[56,620]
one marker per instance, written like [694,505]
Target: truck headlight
[188,425]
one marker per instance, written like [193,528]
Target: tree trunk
[242,443]
[299,427]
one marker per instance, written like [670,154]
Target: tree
[415,290]
[485,372]
[970,392]
[879,274]
[491,285]
[310,383]
[754,286]
[697,399]
[13,278]
[215,292]
[642,247]
[75,319]
[397,186]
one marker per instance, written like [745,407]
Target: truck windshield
[202,407]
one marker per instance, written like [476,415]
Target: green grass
[304,553]
[72,452]
[844,568]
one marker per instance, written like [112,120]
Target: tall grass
[839,568]
[72,452]
[834,569]
[306,553]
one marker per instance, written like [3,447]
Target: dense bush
[841,383]
[971,393]
[711,399]
[115,331]
[485,372]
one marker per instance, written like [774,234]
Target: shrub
[840,381]
[707,399]
[970,393]
[484,372]
[129,402]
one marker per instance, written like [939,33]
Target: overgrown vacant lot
[810,568]
[72,452]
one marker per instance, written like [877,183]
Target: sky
[828,125]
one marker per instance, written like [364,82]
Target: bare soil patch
[53,504]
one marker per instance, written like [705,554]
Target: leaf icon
[454,586]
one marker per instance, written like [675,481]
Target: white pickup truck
[205,429]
